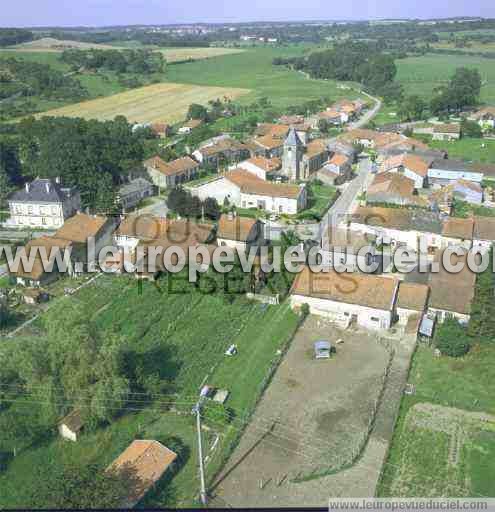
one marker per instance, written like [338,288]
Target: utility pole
[200,454]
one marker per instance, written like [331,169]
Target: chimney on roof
[27,187]
[57,180]
[47,186]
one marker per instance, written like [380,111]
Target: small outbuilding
[70,426]
[35,296]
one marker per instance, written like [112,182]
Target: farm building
[149,460]
[189,126]
[70,426]
[400,226]
[225,150]
[132,193]
[444,171]
[447,132]
[457,232]
[452,293]
[412,300]
[86,232]
[485,117]
[364,299]
[468,191]
[239,232]
[171,174]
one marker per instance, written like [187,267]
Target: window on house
[30,210]
[43,221]
[375,319]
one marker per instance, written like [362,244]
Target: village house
[136,228]
[412,301]
[400,226]
[447,132]
[162,130]
[315,155]
[226,150]
[43,203]
[260,166]
[171,174]
[45,268]
[339,165]
[411,166]
[452,293]
[70,426]
[132,193]
[245,190]
[190,125]
[87,234]
[391,188]
[179,234]
[240,233]
[148,460]
[364,299]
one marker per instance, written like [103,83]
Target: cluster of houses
[408,204]
[268,171]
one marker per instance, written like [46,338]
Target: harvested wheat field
[166,102]
[49,44]
[181,54]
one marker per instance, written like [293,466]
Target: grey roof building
[43,203]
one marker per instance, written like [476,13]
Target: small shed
[322,349]
[70,426]
[426,328]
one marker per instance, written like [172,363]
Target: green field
[420,75]
[475,150]
[253,69]
[157,322]
[419,460]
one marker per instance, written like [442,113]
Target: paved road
[346,201]
[368,116]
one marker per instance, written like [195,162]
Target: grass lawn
[321,197]
[463,210]
[417,463]
[420,75]
[468,149]
[253,69]
[387,114]
[158,322]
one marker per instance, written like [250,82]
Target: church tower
[293,153]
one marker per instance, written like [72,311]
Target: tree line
[140,61]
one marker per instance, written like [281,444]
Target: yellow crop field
[166,102]
[180,54]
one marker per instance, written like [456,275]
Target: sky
[31,13]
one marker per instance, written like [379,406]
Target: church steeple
[293,152]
